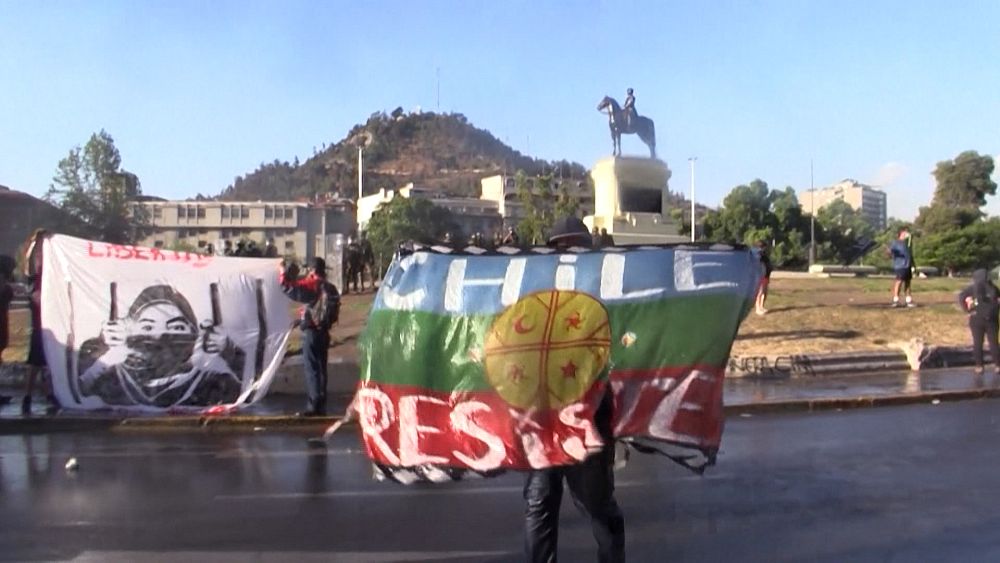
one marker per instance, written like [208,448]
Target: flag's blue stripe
[427,275]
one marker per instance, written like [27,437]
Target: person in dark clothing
[511,238]
[981,299]
[7,266]
[606,238]
[315,332]
[765,260]
[591,482]
[595,238]
[36,351]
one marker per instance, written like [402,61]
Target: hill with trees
[442,151]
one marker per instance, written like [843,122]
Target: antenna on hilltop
[438,71]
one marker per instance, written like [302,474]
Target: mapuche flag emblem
[493,361]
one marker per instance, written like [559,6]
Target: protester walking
[591,482]
[7,266]
[320,313]
[902,266]
[36,351]
[981,300]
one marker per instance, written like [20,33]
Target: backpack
[325,310]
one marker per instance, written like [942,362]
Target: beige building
[502,189]
[297,229]
[866,199]
[472,215]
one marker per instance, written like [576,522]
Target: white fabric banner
[158,330]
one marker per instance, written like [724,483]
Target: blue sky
[196,93]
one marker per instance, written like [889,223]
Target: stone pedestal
[630,201]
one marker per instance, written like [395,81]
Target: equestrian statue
[625,120]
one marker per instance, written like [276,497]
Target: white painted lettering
[613,280]
[461,420]
[410,431]
[456,282]
[404,301]
[376,414]
[685,263]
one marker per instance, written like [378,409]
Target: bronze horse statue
[642,126]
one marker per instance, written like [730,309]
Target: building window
[289,213]
[157,244]
[224,210]
[181,212]
[268,212]
[244,212]
[157,212]
[289,245]
[191,213]
[201,212]
[202,244]
[182,233]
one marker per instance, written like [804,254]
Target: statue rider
[629,107]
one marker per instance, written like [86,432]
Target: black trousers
[315,350]
[592,484]
[984,327]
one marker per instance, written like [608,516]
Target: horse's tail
[652,138]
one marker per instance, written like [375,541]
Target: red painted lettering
[90,251]
[139,253]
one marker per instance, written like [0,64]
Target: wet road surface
[914,483]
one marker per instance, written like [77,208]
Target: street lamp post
[692,160]
[812,217]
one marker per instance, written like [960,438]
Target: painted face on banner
[161,340]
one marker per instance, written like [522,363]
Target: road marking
[335,557]
[408,492]
[224,454]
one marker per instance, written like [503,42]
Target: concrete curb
[40,424]
[811,365]
[844,403]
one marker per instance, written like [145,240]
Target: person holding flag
[591,482]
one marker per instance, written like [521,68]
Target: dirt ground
[807,315]
[817,315]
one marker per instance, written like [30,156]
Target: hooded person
[159,356]
[981,300]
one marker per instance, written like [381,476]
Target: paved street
[914,483]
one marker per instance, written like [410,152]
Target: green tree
[744,217]
[962,187]
[566,204]
[405,219]
[842,228]
[90,185]
[536,217]
[957,250]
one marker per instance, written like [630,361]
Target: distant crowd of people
[245,249]
[599,238]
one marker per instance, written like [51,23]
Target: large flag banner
[489,361]
[159,330]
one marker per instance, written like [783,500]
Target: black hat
[319,264]
[569,231]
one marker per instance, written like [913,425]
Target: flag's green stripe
[439,352]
